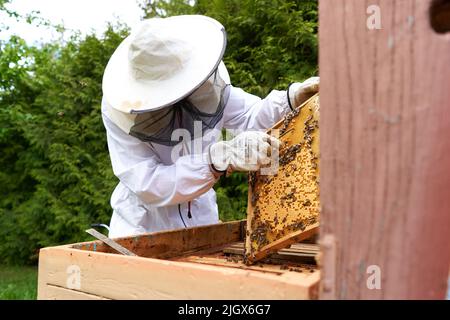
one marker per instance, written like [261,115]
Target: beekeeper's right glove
[248,151]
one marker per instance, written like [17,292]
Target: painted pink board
[385,150]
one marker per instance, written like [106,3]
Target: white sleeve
[245,111]
[139,168]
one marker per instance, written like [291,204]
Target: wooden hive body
[192,263]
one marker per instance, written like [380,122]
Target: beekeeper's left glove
[299,92]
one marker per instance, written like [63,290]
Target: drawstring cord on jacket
[181,216]
[189,210]
[189,213]
[184,150]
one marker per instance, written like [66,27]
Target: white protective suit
[153,187]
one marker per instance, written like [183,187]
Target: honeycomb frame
[286,203]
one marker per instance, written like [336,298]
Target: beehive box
[179,264]
[283,207]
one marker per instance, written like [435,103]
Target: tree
[56,175]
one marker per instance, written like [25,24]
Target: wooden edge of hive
[284,242]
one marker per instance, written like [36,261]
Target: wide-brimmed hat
[162,61]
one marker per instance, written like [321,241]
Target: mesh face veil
[206,105]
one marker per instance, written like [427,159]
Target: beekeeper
[166,97]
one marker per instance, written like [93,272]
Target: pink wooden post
[385,150]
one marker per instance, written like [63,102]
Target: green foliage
[231,195]
[2,3]
[56,176]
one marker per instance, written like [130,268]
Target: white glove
[299,92]
[248,151]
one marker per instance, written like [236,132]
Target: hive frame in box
[91,270]
[283,207]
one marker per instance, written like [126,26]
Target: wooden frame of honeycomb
[284,208]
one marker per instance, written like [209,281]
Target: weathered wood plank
[123,277]
[295,254]
[166,244]
[385,149]
[286,241]
[238,248]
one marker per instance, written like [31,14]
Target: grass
[18,283]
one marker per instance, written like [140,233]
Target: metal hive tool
[283,208]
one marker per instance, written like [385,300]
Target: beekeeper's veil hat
[163,61]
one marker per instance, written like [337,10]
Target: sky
[83,15]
